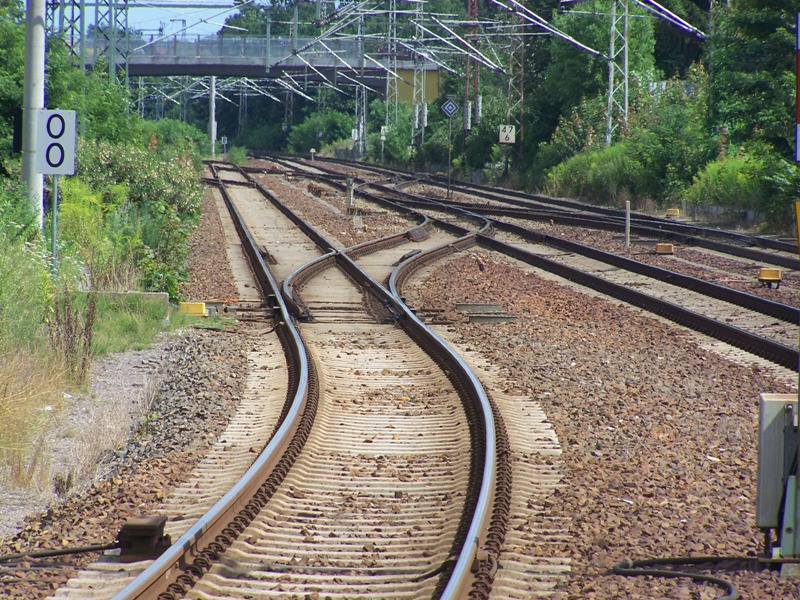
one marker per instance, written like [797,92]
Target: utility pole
[33,102]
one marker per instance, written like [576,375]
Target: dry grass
[31,390]
[70,328]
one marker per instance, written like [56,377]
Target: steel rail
[524,199]
[773,351]
[765,306]
[480,521]
[781,260]
[217,524]
[784,312]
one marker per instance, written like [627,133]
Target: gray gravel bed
[659,436]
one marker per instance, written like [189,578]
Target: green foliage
[237,155]
[153,225]
[126,321]
[12,63]
[102,105]
[24,293]
[613,172]
[573,74]
[583,128]
[320,129]
[753,60]
[397,145]
[669,130]
[757,180]
[733,181]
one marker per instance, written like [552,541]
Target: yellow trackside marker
[193,308]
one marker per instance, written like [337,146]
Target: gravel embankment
[197,380]
[659,436]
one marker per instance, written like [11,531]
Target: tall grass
[31,389]
[131,321]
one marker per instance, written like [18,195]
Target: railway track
[517,203]
[752,323]
[316,535]
[389,485]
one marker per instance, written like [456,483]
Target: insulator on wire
[478,108]
[468,116]
[424,116]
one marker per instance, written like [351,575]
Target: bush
[152,224]
[611,173]
[237,155]
[759,180]
[734,182]
[24,294]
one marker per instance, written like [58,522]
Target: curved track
[379,475]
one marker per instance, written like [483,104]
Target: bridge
[362,60]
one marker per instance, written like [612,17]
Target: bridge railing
[247,47]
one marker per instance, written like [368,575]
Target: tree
[752,63]
[12,63]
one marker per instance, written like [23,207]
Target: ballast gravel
[659,436]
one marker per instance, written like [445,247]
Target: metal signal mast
[617,108]
[471,78]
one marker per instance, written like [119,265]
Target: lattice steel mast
[391,64]
[617,110]
[516,81]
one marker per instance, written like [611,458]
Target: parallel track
[775,349]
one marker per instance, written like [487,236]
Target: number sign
[507,134]
[55,142]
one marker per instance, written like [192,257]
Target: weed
[70,329]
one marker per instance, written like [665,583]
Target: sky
[150,19]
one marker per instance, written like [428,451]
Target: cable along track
[391,491]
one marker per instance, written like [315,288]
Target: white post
[627,223]
[212,116]
[55,223]
[33,101]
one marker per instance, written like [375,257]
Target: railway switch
[143,538]
[664,248]
[768,276]
[778,500]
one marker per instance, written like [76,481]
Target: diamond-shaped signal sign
[449,108]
